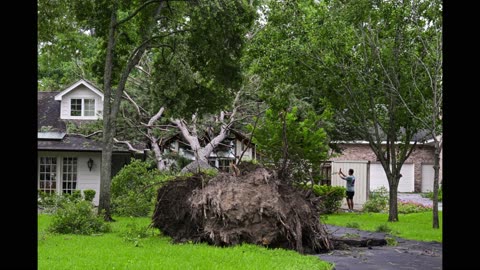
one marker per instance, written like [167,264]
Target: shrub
[75,196]
[332,197]
[77,218]
[89,194]
[377,201]
[134,189]
[430,195]
[51,202]
[411,207]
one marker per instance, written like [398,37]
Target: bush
[377,202]
[411,207]
[78,218]
[51,202]
[331,197]
[89,194]
[430,195]
[75,196]
[134,189]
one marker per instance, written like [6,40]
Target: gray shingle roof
[49,116]
[75,143]
[49,112]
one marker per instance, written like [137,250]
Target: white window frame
[84,111]
[53,179]
[83,107]
[76,104]
[224,164]
[58,174]
[69,176]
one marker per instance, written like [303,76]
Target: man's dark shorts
[350,194]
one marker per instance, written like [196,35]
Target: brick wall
[422,154]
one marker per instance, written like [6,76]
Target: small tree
[133,189]
[292,136]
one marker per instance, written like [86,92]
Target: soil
[253,207]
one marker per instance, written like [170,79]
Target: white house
[68,162]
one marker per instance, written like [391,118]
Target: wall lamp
[90,164]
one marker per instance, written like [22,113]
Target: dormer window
[89,107]
[82,107]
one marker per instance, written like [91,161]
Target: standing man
[350,187]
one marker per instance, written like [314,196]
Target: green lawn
[112,251]
[416,226]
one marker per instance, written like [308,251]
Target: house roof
[86,83]
[75,143]
[421,137]
[48,110]
[52,131]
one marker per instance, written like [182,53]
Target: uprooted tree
[254,207]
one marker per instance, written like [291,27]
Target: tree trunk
[436,169]
[158,155]
[106,169]
[392,202]
[154,140]
[106,177]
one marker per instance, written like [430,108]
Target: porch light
[90,164]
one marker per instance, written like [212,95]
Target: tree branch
[130,147]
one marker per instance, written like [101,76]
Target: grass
[112,251]
[415,226]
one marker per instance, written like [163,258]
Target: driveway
[407,254]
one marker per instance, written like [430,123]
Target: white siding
[81,92]
[86,179]
[378,178]
[427,177]
[238,150]
[361,173]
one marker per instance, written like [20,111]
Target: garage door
[360,168]
[378,178]
[427,177]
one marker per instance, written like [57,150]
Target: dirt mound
[251,208]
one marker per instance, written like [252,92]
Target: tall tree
[156,20]
[370,66]
[355,53]
[426,73]
[127,30]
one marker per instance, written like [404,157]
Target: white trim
[366,142]
[82,108]
[75,85]
[51,135]
[350,161]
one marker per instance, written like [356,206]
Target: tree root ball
[253,207]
